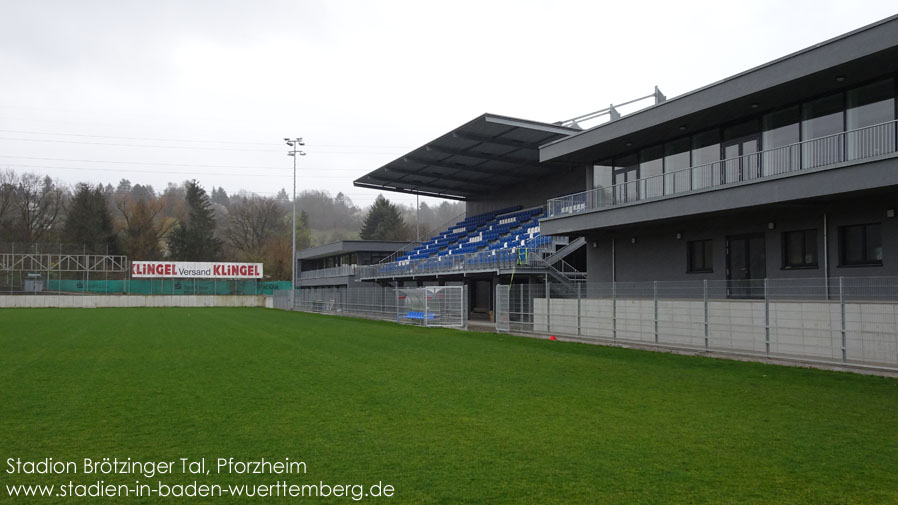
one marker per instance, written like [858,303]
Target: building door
[741,159]
[626,184]
[746,266]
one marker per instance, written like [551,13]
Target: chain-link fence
[443,306]
[837,320]
[19,283]
[67,269]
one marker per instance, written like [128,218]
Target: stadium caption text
[149,469]
[125,478]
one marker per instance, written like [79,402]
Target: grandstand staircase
[566,278]
[565,251]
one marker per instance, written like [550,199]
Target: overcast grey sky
[158,91]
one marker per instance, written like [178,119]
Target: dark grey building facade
[336,264]
[789,169]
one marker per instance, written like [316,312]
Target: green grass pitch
[443,416]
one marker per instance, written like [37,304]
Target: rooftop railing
[867,142]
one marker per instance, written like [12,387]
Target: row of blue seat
[448,237]
[480,219]
[457,239]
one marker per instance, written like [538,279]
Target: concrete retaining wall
[94,301]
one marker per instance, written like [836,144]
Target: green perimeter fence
[165,286]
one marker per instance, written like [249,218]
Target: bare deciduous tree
[143,227]
[7,199]
[38,203]
[253,222]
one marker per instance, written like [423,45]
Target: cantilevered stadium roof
[487,152]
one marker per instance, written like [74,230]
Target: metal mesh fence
[441,306]
[17,283]
[64,269]
[837,320]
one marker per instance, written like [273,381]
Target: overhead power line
[181,172]
[196,165]
[123,171]
[134,145]
[154,139]
[232,142]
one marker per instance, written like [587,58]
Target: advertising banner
[160,269]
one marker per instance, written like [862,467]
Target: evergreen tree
[88,221]
[303,232]
[194,239]
[124,186]
[384,222]
[143,193]
[220,196]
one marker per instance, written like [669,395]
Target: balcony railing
[528,255]
[340,271]
[852,145]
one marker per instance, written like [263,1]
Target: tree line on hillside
[184,222]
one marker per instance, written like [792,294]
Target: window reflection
[651,167]
[822,119]
[705,152]
[870,105]
[781,133]
[601,182]
[676,161]
[853,124]
[626,173]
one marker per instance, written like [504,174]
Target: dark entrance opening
[746,266]
[481,293]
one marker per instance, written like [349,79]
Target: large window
[677,158]
[705,151]
[742,130]
[698,256]
[741,143]
[651,167]
[626,173]
[870,105]
[800,249]
[860,245]
[601,182]
[601,174]
[821,120]
[780,134]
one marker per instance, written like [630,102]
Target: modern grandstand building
[787,170]
[336,264]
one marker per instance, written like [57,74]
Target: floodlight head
[286,139]
[301,153]
[300,142]
[290,143]
[291,153]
